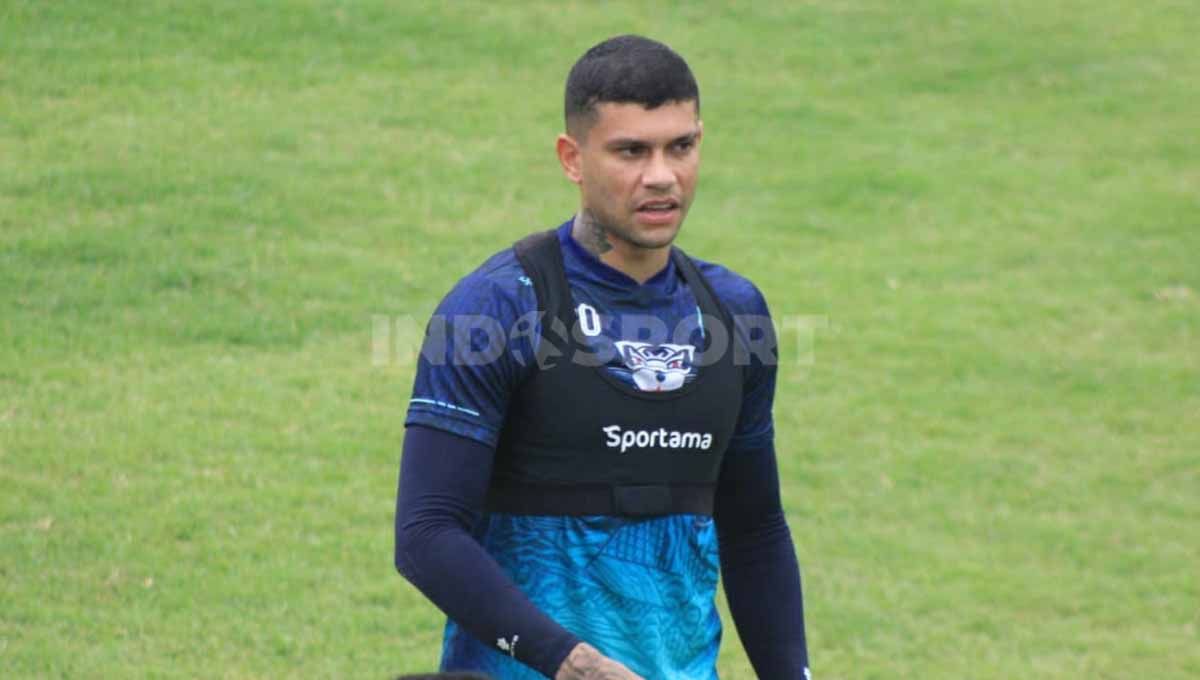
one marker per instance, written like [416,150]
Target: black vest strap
[541,258]
[705,296]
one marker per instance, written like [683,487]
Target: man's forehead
[632,120]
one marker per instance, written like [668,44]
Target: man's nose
[658,173]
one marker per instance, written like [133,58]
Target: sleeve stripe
[443,404]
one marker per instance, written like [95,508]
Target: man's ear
[568,155]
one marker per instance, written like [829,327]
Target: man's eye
[630,151]
[684,146]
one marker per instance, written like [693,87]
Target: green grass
[991,463]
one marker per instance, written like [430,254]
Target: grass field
[991,456]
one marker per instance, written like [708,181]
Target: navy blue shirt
[471,400]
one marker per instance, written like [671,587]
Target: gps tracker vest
[579,441]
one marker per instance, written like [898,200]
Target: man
[592,410]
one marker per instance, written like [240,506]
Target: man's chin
[653,236]
[653,241]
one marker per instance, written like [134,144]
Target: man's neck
[639,264]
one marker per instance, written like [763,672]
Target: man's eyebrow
[622,142]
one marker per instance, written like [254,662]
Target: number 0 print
[589,320]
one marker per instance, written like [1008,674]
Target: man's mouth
[658,205]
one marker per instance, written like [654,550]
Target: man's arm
[758,565]
[443,484]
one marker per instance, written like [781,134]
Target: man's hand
[586,663]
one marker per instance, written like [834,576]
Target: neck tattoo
[590,233]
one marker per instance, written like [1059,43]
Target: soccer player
[590,439]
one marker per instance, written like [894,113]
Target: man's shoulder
[737,292]
[498,283]
[502,269]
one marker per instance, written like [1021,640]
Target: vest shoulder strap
[541,258]
[702,289]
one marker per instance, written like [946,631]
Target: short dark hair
[628,69]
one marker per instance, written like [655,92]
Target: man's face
[637,170]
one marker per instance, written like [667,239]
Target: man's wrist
[585,662]
[578,661]
[556,655]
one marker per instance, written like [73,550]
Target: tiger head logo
[657,368]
